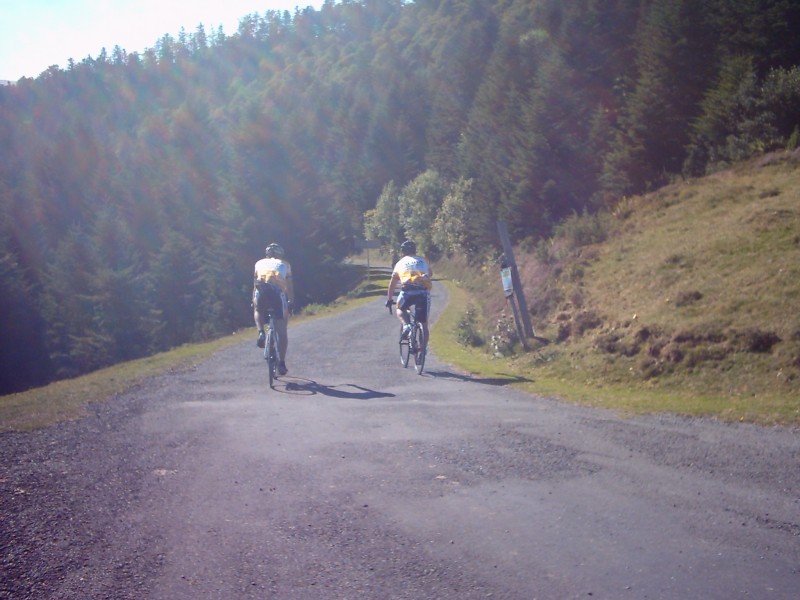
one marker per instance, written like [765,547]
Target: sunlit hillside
[685,299]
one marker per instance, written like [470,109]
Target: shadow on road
[503,379]
[308,387]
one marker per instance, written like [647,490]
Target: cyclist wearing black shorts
[273,292]
[415,277]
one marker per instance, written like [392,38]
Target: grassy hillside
[683,300]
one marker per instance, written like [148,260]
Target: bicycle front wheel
[421,345]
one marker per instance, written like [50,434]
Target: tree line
[137,189]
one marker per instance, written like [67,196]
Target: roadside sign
[508,282]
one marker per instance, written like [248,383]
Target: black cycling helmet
[274,251]
[408,248]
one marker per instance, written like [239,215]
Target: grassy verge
[67,399]
[473,361]
[554,372]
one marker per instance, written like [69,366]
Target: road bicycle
[415,344]
[271,353]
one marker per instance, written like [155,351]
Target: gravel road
[357,479]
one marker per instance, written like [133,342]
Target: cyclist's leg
[282,328]
[269,350]
[423,309]
[283,339]
[258,316]
[403,302]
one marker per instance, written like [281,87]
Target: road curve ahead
[358,479]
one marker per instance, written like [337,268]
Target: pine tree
[224,275]
[67,308]
[176,293]
[23,356]
[674,43]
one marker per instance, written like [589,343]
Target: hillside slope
[685,299]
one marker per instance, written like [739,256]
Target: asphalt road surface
[358,479]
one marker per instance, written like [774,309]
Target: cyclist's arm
[392,284]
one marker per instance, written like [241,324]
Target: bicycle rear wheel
[405,349]
[421,345]
[271,356]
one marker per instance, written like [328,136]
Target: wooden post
[502,229]
[366,245]
[520,333]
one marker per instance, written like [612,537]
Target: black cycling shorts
[269,299]
[419,298]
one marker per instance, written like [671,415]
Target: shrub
[312,309]
[794,140]
[544,252]
[505,335]
[583,230]
[466,330]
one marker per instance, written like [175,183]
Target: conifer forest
[137,189]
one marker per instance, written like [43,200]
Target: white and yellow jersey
[414,271]
[274,270]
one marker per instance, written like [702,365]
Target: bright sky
[35,34]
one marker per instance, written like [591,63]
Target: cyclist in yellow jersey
[415,277]
[273,291]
